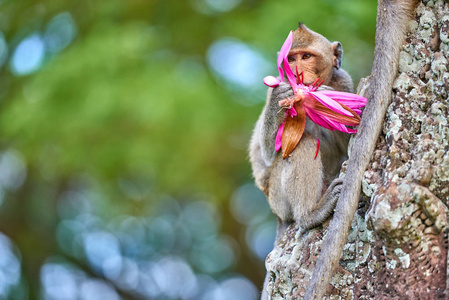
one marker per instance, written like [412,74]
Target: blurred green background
[123,134]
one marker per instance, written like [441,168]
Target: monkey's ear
[337,49]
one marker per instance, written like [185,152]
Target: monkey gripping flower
[333,110]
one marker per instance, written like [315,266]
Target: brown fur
[302,37]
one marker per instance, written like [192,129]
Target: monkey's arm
[271,118]
[392,18]
[262,149]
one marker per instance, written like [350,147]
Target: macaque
[392,19]
[297,188]
[302,188]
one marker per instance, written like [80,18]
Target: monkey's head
[314,55]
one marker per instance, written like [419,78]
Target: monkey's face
[313,55]
[313,62]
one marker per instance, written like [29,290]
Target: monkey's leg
[392,19]
[324,207]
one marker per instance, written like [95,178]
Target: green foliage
[109,106]
[133,105]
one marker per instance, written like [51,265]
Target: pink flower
[333,110]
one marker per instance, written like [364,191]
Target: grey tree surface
[398,242]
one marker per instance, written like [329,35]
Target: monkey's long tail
[392,19]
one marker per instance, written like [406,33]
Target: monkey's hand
[281,92]
[289,101]
[268,125]
[286,97]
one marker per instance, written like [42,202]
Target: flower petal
[291,112]
[293,130]
[341,127]
[283,53]
[357,111]
[278,141]
[337,125]
[329,119]
[328,102]
[348,99]
[290,75]
[332,115]
[271,81]
[316,118]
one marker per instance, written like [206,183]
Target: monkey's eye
[291,59]
[306,56]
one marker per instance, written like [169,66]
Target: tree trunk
[398,244]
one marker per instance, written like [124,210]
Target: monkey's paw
[334,189]
[281,92]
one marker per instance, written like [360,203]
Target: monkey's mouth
[306,77]
[300,80]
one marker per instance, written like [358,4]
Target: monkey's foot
[333,191]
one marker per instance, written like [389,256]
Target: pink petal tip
[271,81]
[283,53]
[291,112]
[278,141]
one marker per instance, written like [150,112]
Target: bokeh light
[95,289]
[236,288]
[59,282]
[249,205]
[240,66]
[260,238]
[9,266]
[103,252]
[60,32]
[28,55]
[212,7]
[175,278]
[13,172]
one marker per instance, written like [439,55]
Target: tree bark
[398,244]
